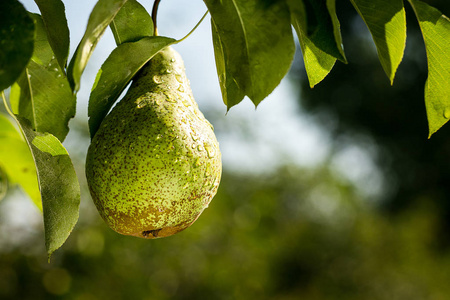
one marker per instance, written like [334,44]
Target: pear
[154,164]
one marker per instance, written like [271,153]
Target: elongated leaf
[253,46]
[42,93]
[131,23]
[117,71]
[101,16]
[319,34]
[387,23]
[16,160]
[436,34]
[58,184]
[54,16]
[331,6]
[16,41]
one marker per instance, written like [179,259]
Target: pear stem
[154,14]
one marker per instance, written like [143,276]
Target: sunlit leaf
[319,34]
[253,46]
[436,34]
[131,23]
[16,41]
[54,16]
[387,23]
[16,160]
[58,184]
[117,71]
[42,93]
[99,19]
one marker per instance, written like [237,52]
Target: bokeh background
[327,193]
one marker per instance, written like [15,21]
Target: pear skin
[154,164]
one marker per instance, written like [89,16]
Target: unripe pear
[154,164]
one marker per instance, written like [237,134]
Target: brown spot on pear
[147,168]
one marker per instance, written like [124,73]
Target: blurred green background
[370,219]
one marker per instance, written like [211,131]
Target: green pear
[154,164]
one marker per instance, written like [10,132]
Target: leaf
[387,23]
[117,71]
[16,41]
[131,23]
[54,17]
[436,33]
[42,94]
[16,160]
[231,93]
[101,16]
[320,36]
[253,47]
[58,183]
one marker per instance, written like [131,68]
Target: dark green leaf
[42,93]
[319,34]
[436,34]
[16,41]
[58,183]
[131,23]
[231,93]
[54,16]
[117,71]
[331,6]
[253,46]
[101,16]
[16,160]
[387,23]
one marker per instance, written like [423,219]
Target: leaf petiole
[6,105]
[195,27]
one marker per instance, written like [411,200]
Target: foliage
[292,234]
[254,48]
[391,123]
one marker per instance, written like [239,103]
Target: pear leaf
[54,17]
[319,34]
[386,21]
[131,23]
[117,71]
[42,93]
[253,47]
[101,16]
[16,160]
[16,41]
[58,184]
[435,29]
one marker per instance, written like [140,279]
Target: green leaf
[319,34]
[42,94]
[331,6]
[16,160]
[436,33]
[101,16]
[253,46]
[54,17]
[387,23]
[16,41]
[117,71]
[131,23]
[58,183]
